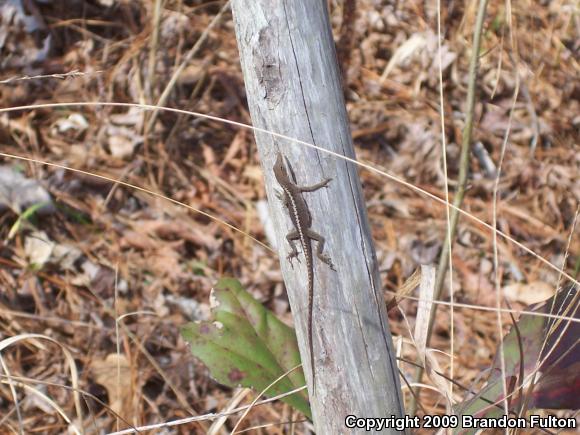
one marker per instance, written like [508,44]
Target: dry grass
[137,266]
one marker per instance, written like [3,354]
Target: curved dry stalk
[274,382]
[141,189]
[265,426]
[572,304]
[374,169]
[233,402]
[437,290]
[49,401]
[210,416]
[68,356]
[368,166]
[14,394]
[24,380]
[495,310]
[494,240]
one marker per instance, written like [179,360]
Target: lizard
[291,197]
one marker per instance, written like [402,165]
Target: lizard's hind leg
[292,236]
[320,247]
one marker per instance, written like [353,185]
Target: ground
[94,249]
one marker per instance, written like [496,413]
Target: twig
[62,76]
[163,98]
[534,118]
[150,84]
[485,160]
[444,260]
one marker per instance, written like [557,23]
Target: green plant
[247,345]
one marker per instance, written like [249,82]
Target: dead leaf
[38,248]
[66,256]
[529,293]
[121,146]
[75,122]
[165,260]
[114,373]
[425,252]
[18,192]
[137,240]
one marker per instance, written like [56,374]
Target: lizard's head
[279,168]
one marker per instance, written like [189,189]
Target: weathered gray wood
[293,88]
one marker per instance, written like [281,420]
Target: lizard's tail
[311,352]
[310,341]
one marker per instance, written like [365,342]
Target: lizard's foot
[326,259]
[291,256]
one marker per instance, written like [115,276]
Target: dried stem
[444,260]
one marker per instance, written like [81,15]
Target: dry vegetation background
[103,250]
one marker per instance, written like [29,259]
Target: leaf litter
[106,251]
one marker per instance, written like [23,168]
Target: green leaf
[76,216]
[26,215]
[246,345]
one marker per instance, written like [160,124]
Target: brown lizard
[291,197]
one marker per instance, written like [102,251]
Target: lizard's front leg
[283,197]
[323,183]
[320,247]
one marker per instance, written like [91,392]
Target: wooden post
[293,87]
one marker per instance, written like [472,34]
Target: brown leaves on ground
[107,250]
[114,374]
